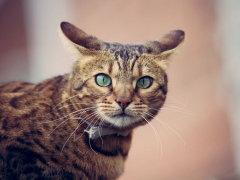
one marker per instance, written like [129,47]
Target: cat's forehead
[127,57]
[125,62]
[124,52]
[122,61]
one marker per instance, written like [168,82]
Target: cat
[79,125]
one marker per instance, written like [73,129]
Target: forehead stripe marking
[120,68]
[133,63]
[110,68]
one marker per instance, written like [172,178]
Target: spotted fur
[42,126]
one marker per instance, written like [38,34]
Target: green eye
[144,82]
[103,80]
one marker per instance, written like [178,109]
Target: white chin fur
[121,122]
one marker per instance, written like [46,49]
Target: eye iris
[144,82]
[103,80]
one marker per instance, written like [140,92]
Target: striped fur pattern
[42,126]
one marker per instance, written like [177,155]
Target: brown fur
[42,125]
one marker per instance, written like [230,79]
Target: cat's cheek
[144,93]
[96,90]
[153,90]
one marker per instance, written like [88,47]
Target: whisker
[66,142]
[172,109]
[64,101]
[89,141]
[157,136]
[176,101]
[74,136]
[167,127]
[101,122]
[178,109]
[98,126]
[159,122]
[74,132]
[74,104]
[94,113]
[80,110]
[85,119]
[57,127]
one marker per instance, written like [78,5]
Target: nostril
[119,103]
[124,101]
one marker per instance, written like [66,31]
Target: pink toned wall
[196,108]
[13,43]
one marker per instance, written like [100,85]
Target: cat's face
[121,85]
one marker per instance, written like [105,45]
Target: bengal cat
[79,125]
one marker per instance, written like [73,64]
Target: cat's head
[123,85]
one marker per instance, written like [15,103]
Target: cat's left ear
[84,43]
[166,46]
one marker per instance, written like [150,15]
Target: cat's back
[13,96]
[17,98]
[23,101]
[20,98]
[23,108]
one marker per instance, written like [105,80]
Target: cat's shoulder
[14,87]
[27,87]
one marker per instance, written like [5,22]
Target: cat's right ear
[86,44]
[166,46]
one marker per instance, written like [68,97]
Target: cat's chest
[104,159]
[106,167]
[89,164]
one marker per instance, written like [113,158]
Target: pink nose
[124,101]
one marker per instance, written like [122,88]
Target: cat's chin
[123,121]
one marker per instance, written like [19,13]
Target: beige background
[196,108]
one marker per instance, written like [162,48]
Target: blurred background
[203,104]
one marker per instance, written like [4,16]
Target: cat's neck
[95,131]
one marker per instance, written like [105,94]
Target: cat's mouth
[123,114]
[122,121]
